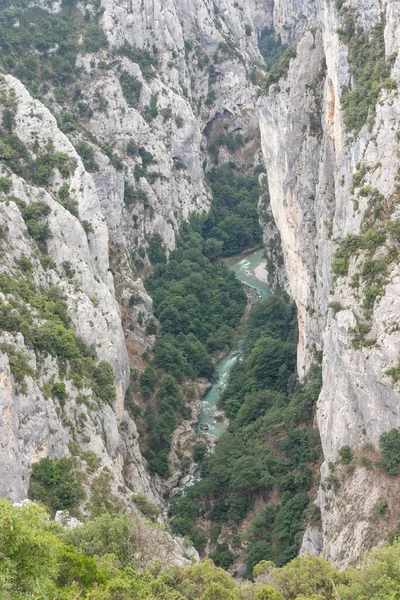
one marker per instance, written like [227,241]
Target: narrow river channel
[244,270]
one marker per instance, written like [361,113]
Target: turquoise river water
[244,271]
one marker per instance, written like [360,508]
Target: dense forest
[198,303]
[263,467]
[109,559]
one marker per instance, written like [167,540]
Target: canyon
[159,102]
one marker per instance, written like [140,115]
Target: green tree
[307,576]
[389,444]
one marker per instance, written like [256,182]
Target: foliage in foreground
[98,561]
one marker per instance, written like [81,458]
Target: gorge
[142,144]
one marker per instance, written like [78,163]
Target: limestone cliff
[91,172]
[333,183]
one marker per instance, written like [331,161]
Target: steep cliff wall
[332,173]
[111,154]
[34,425]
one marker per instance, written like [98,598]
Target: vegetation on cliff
[369,67]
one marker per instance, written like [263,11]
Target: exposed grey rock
[310,162]
[64,518]
[99,290]
[312,542]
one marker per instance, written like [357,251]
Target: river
[243,267]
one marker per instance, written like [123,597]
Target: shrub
[336,306]
[129,194]
[211,97]
[142,57]
[19,365]
[389,444]
[346,454]
[55,484]
[131,88]
[86,153]
[369,68]
[5,184]
[146,508]
[87,227]
[151,327]
[280,69]
[104,378]
[151,111]
[59,391]
[94,39]
[222,556]
[382,507]
[199,451]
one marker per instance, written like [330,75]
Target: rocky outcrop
[324,181]
[204,59]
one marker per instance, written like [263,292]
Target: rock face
[132,166]
[324,182]
[33,425]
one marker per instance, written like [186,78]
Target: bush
[382,508]
[55,484]
[369,68]
[104,379]
[104,535]
[5,184]
[86,153]
[151,327]
[142,57]
[59,391]
[131,88]
[199,451]
[151,111]
[146,508]
[129,194]
[222,556]
[389,444]
[94,39]
[280,69]
[346,454]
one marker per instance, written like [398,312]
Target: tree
[103,535]
[245,475]
[346,454]
[266,361]
[55,484]
[389,444]
[28,553]
[309,575]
